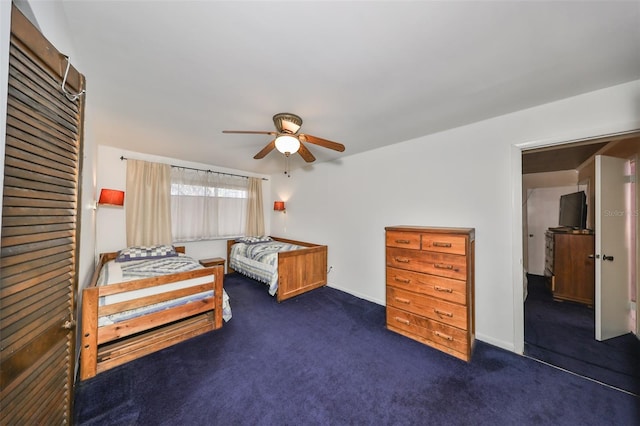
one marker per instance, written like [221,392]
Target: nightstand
[214,261]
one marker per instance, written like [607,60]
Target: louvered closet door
[39,233]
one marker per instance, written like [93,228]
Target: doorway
[561,333]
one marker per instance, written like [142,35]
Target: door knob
[605,257]
[69,325]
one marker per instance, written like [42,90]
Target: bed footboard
[301,270]
[107,346]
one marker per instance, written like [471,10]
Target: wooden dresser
[430,286]
[570,266]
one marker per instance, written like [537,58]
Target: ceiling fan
[288,140]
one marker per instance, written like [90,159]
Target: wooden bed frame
[112,345]
[298,270]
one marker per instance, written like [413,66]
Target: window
[207,205]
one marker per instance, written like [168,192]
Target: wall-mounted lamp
[279,206]
[111,197]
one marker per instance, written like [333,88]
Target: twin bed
[288,267]
[141,302]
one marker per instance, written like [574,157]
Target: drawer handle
[402,260]
[402,280]
[442,266]
[444,289]
[441,313]
[437,244]
[403,321]
[401,300]
[444,336]
[403,241]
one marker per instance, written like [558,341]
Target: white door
[611,292]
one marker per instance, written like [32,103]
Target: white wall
[111,225]
[5,34]
[467,177]
[543,209]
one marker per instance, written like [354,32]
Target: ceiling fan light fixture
[287,144]
[287,123]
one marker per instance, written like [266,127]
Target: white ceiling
[365,74]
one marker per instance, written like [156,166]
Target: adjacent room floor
[563,334]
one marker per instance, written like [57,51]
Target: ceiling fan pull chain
[286,166]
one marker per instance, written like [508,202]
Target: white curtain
[148,203]
[207,205]
[255,212]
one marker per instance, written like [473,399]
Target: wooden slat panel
[21,118]
[39,105]
[22,286]
[42,314]
[36,229]
[35,129]
[38,194]
[38,250]
[38,168]
[35,238]
[20,344]
[32,255]
[26,249]
[23,270]
[38,203]
[46,83]
[21,404]
[17,183]
[26,174]
[42,140]
[24,303]
[43,104]
[37,156]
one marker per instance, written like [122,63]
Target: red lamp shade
[278,206]
[111,197]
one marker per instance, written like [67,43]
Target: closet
[40,230]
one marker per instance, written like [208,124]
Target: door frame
[517,263]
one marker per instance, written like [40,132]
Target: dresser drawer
[430,307]
[453,244]
[441,264]
[410,240]
[432,285]
[433,331]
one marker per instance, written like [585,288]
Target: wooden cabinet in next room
[430,286]
[570,266]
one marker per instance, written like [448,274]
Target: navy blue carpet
[326,358]
[563,334]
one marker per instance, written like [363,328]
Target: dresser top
[433,229]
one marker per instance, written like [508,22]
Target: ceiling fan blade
[322,142]
[251,132]
[267,149]
[306,154]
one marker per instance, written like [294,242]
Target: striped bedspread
[259,261]
[115,272]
